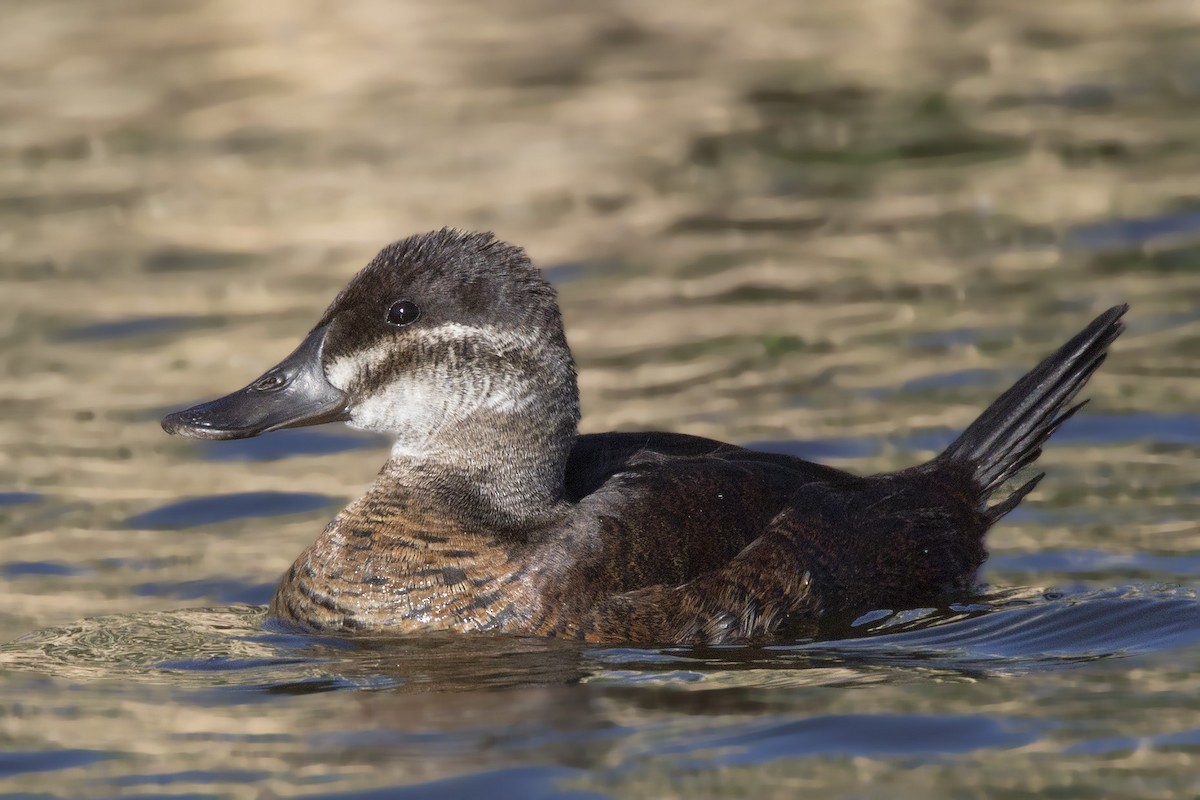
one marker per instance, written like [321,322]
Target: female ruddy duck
[493,514]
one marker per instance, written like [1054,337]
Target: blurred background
[833,228]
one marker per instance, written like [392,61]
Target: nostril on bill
[269,383]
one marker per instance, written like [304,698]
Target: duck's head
[449,342]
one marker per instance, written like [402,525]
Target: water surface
[834,229]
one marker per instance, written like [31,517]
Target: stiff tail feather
[1009,435]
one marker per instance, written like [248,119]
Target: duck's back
[659,510]
[597,457]
[679,538]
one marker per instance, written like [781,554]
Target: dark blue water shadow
[221,590]
[137,326]
[1089,429]
[514,783]
[227,507]
[20,762]
[21,569]
[817,448]
[959,337]
[18,498]
[1067,628]
[1087,562]
[1044,515]
[1179,429]
[1131,234]
[856,735]
[192,776]
[1189,740]
[958,379]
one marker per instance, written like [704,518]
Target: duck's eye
[403,312]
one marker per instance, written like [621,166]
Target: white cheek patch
[419,403]
[414,412]
[341,372]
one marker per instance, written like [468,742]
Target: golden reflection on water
[765,218]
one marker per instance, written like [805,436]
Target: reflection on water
[17,498]
[1134,234]
[609,710]
[835,229]
[144,326]
[215,509]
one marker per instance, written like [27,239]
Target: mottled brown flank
[396,563]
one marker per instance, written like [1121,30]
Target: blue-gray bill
[292,394]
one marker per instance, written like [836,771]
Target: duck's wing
[889,541]
[654,513]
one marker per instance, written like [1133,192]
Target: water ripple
[1022,632]
[214,509]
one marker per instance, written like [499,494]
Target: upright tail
[1009,435]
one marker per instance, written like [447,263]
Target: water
[834,229]
[1004,680]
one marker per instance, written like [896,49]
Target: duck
[494,514]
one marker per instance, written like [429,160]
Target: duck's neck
[493,472]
